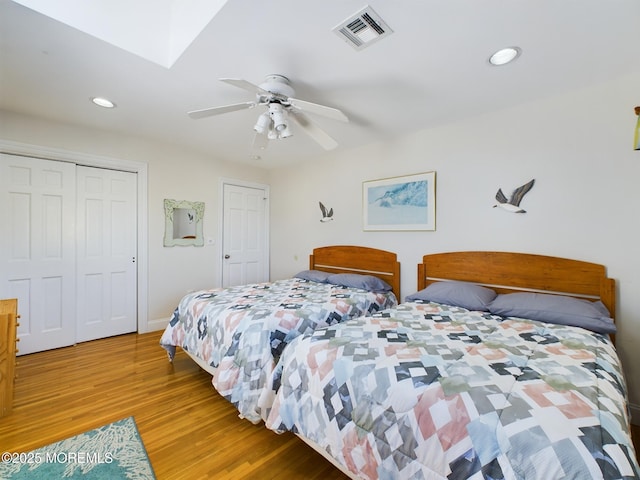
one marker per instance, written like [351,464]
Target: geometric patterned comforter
[241,331]
[429,391]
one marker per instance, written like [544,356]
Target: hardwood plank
[190,431]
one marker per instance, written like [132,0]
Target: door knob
[227,256]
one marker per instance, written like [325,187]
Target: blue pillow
[355,280]
[313,275]
[556,309]
[459,294]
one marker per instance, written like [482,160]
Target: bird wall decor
[327,215]
[513,204]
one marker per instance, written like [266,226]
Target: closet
[67,250]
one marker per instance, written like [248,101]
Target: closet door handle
[227,256]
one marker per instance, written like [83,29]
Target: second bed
[238,333]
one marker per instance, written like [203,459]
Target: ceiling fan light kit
[286,133]
[276,93]
[278,116]
[263,124]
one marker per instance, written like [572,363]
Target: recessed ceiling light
[103,102]
[504,56]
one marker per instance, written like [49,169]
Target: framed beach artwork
[400,203]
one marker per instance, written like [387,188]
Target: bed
[238,333]
[440,386]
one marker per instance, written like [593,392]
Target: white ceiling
[433,69]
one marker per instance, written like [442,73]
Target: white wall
[172,173]
[584,205]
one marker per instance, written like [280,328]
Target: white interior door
[37,249]
[244,234]
[106,253]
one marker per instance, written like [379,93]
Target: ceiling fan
[276,94]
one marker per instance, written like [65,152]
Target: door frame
[241,183]
[89,160]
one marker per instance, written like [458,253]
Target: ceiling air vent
[362,29]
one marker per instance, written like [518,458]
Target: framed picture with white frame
[400,203]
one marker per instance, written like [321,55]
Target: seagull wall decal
[327,215]
[513,204]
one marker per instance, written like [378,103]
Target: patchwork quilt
[428,391]
[241,331]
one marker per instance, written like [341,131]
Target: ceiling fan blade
[329,112]
[314,131]
[260,142]
[208,112]
[245,85]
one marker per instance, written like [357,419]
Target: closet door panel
[106,215]
[37,248]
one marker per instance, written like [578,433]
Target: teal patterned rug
[114,451]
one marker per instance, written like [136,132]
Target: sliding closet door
[106,253]
[37,249]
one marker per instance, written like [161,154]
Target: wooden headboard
[362,260]
[515,272]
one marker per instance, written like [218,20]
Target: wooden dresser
[8,332]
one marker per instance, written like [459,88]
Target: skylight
[156,30]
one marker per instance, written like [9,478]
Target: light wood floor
[189,431]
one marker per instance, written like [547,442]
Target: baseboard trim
[635,413]
[158,324]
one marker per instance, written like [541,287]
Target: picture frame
[400,203]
